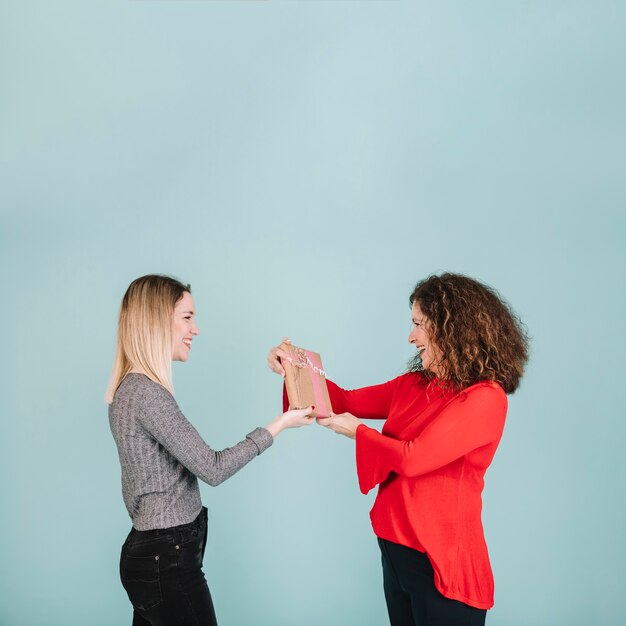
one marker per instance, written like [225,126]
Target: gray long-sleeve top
[161,455]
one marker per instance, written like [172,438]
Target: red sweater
[429,463]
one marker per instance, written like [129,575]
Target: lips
[187,342]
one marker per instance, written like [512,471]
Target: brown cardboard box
[305,380]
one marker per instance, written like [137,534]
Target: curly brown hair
[478,335]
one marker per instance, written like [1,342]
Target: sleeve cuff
[361,427]
[262,439]
[364,461]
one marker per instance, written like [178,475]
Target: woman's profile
[443,421]
[162,456]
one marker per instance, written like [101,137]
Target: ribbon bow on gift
[302,360]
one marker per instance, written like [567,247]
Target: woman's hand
[274,356]
[343,424]
[291,419]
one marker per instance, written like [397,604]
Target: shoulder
[409,379]
[487,393]
[144,391]
[409,382]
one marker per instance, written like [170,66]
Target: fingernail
[312,406]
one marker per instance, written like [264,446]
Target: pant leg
[190,591]
[415,576]
[398,600]
[162,574]
[138,620]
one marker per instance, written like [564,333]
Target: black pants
[411,595]
[161,571]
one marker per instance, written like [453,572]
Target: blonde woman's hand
[274,356]
[291,419]
[343,424]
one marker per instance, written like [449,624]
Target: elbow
[414,459]
[214,480]
[216,471]
[408,467]
[410,473]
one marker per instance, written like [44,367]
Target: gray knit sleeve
[161,417]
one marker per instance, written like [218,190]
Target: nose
[411,336]
[195,330]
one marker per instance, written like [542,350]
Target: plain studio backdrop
[302,165]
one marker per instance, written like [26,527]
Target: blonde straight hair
[144,333]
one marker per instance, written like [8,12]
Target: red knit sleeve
[365,403]
[473,419]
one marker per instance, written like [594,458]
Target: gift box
[305,380]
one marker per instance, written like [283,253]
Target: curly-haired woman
[444,419]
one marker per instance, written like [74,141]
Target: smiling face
[420,338]
[183,328]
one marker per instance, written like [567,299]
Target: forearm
[364,403]
[466,425]
[163,420]
[178,436]
[216,466]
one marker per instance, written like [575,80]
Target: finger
[277,356]
[323,421]
[273,361]
[305,412]
[286,340]
[332,425]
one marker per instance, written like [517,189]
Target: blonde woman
[162,456]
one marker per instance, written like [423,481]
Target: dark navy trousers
[411,595]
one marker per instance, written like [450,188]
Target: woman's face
[184,327]
[420,338]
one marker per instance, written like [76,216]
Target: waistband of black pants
[178,534]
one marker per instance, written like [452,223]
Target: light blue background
[303,164]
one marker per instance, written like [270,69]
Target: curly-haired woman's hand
[275,355]
[343,424]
